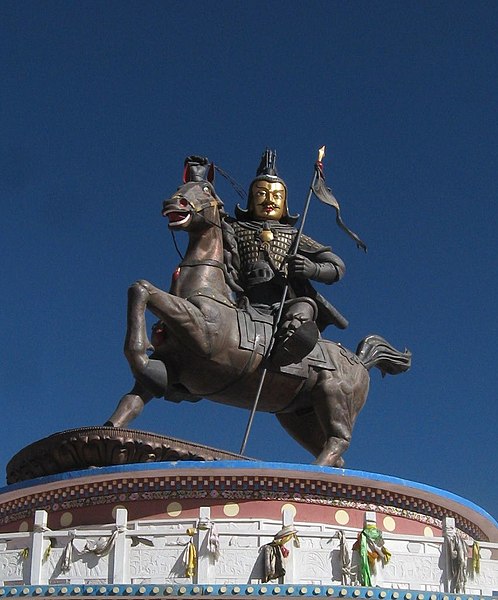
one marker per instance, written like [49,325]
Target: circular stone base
[86,447]
[244,490]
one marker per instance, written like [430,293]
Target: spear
[295,247]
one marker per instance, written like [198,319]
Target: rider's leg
[297,334]
[129,407]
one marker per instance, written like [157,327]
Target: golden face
[268,200]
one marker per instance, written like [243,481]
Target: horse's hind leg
[129,407]
[333,402]
[305,429]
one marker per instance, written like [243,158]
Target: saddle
[255,331]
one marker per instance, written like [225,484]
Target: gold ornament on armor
[266,236]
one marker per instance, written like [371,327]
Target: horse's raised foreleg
[336,404]
[181,317]
[151,373]
[129,407]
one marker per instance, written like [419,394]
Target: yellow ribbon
[47,552]
[191,556]
[476,558]
[286,538]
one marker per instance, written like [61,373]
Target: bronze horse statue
[198,350]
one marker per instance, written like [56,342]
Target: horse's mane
[231,256]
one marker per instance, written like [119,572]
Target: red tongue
[175,216]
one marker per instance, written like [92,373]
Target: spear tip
[321,153]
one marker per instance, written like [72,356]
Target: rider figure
[264,234]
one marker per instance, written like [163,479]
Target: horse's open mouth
[177,218]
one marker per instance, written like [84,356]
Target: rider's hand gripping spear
[292,252]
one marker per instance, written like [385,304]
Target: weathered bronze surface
[274,264]
[102,447]
[198,350]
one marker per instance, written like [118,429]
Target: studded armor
[262,247]
[257,245]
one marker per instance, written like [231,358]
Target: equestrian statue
[241,324]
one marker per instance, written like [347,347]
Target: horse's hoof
[329,461]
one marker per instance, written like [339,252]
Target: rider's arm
[329,268]
[323,266]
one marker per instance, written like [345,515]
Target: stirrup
[294,347]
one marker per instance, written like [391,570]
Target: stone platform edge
[443,498]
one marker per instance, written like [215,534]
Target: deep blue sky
[100,103]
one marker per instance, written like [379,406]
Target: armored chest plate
[253,248]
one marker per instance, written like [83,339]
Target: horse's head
[194,205]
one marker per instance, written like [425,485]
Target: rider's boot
[297,335]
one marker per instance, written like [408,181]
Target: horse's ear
[210,173]
[195,167]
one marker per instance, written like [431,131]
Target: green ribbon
[370,532]
[365,574]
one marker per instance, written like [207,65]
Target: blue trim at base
[192,590]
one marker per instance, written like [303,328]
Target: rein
[208,262]
[202,205]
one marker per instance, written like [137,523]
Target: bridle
[199,205]
[196,208]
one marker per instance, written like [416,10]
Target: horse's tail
[374,351]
